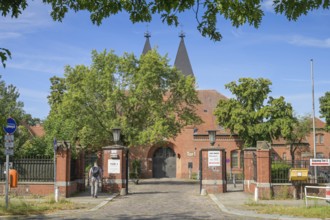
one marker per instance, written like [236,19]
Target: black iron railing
[280,171]
[39,169]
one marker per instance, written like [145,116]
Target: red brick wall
[66,187]
[213,177]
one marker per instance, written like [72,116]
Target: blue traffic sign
[11,126]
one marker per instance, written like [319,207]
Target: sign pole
[7,180]
[313,108]
[10,128]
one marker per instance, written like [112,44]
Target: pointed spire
[182,61]
[147,45]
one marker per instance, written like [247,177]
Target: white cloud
[35,16]
[310,42]
[9,35]
[297,40]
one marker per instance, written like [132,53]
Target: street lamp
[116,134]
[212,136]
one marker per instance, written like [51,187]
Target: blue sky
[279,50]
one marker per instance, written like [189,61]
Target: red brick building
[322,145]
[180,157]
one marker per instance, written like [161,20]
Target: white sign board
[319,162]
[214,159]
[9,151]
[113,166]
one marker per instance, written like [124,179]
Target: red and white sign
[319,162]
[214,159]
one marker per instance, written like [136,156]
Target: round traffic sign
[11,126]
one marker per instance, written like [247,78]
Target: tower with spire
[182,61]
[147,45]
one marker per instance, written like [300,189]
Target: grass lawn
[32,206]
[313,211]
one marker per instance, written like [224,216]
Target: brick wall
[65,185]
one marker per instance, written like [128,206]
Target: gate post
[115,169]
[212,170]
[249,182]
[63,159]
[264,170]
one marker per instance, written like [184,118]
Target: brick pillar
[80,169]
[213,176]
[264,173]
[114,169]
[63,159]
[249,183]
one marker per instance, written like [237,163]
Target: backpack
[95,172]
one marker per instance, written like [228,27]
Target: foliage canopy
[252,114]
[10,106]
[147,98]
[206,12]
[325,109]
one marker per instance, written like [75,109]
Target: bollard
[56,194]
[123,192]
[256,196]
[203,192]
[234,180]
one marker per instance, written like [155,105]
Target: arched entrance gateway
[164,163]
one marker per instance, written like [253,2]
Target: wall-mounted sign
[190,154]
[114,154]
[113,166]
[214,159]
[319,162]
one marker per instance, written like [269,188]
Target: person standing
[95,175]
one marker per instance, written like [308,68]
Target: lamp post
[116,134]
[212,136]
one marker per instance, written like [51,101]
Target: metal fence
[280,171]
[73,169]
[40,169]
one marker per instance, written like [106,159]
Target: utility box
[298,174]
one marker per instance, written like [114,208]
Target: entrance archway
[164,163]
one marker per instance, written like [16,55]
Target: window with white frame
[234,159]
[321,139]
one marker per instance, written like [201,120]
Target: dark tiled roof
[182,61]
[209,100]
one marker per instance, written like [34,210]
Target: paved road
[156,199]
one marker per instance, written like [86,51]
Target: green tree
[206,13]
[325,109]
[11,107]
[252,114]
[9,104]
[147,98]
[297,138]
